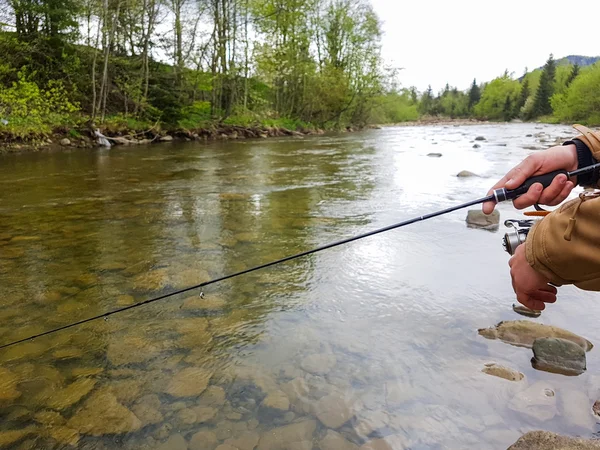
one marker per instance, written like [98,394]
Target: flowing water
[375,339]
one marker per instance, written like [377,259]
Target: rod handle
[546,179]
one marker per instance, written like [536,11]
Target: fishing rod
[497,196]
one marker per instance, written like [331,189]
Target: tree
[474,95]
[545,90]
[523,96]
[573,75]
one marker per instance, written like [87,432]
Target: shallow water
[380,334]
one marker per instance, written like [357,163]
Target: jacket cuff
[584,159]
[535,253]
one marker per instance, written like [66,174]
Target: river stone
[477,219]
[208,303]
[466,174]
[64,435]
[281,438]
[476,146]
[335,441]
[274,404]
[319,364]
[8,385]
[175,442]
[125,300]
[166,138]
[147,410]
[189,382]
[502,372]
[71,394]
[522,333]
[377,444]
[545,440]
[50,418]
[247,441]
[434,155]
[78,372]
[65,142]
[154,280]
[212,396]
[11,436]
[297,388]
[204,414]
[525,311]
[333,411]
[203,440]
[538,402]
[480,138]
[558,356]
[103,414]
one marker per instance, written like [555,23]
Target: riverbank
[86,138]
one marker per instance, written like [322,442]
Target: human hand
[531,287]
[554,158]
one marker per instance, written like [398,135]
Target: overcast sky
[438,41]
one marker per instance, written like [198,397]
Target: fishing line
[498,195]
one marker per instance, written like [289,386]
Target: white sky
[454,41]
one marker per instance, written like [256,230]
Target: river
[376,338]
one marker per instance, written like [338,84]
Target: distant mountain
[582,61]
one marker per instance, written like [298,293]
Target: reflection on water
[375,339]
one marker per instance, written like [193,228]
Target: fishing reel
[518,235]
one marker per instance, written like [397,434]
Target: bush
[581,101]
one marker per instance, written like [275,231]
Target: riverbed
[374,339]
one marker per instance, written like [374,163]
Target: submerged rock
[575,409]
[283,437]
[335,441]
[502,372]
[8,385]
[545,440]
[275,404]
[333,411]
[522,333]
[70,395]
[103,414]
[189,382]
[175,442]
[537,402]
[203,440]
[246,441]
[477,219]
[558,356]
[319,364]
[11,436]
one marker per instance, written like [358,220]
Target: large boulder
[523,333]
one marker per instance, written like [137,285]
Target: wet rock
[203,440]
[466,174]
[274,404]
[558,356]
[175,442]
[131,349]
[575,409]
[247,441]
[319,364]
[204,414]
[64,435]
[281,438]
[189,382]
[434,155]
[185,416]
[480,138]
[212,396]
[596,408]
[476,146]
[65,142]
[523,333]
[524,311]
[103,414]
[537,402]
[333,411]
[166,138]
[71,394]
[502,372]
[477,219]
[8,385]
[147,410]
[545,440]
[335,441]
[11,436]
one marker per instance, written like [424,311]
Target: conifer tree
[541,105]
[474,95]
[523,96]
[573,75]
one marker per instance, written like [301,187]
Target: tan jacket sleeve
[565,245]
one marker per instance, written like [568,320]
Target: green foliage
[474,95]
[581,100]
[497,99]
[395,108]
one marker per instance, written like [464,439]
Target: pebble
[502,372]
[333,411]
[319,364]
[524,311]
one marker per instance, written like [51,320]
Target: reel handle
[546,179]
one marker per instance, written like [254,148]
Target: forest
[180,66]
